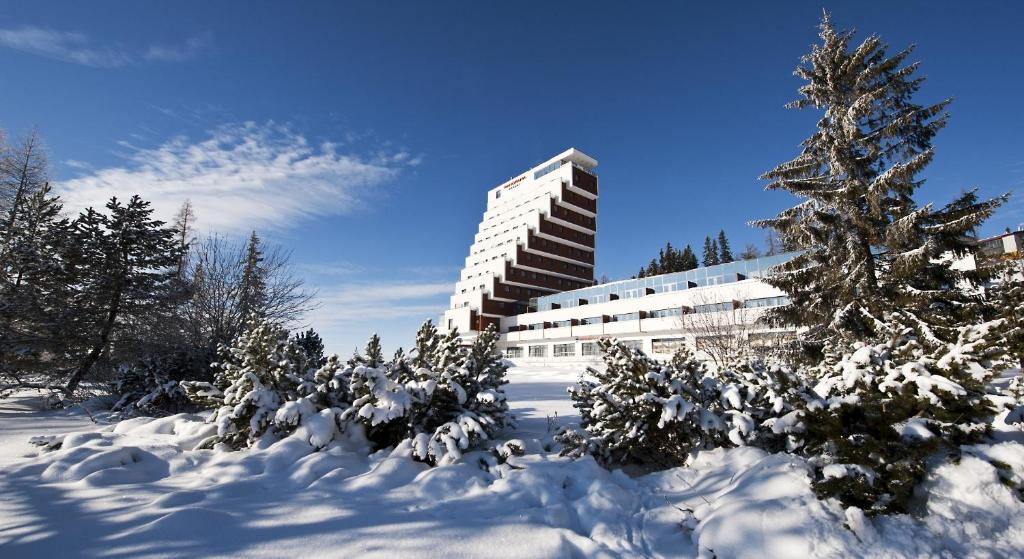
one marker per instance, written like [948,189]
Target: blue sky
[364,136]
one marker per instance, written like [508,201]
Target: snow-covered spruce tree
[885,408]
[374,355]
[426,344]
[464,403]
[867,248]
[313,345]
[150,386]
[641,411]
[445,399]
[900,334]
[1007,298]
[262,371]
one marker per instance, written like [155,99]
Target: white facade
[515,211]
[656,314]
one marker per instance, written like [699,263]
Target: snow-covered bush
[447,400]
[886,408]
[451,402]
[641,411]
[150,386]
[262,371]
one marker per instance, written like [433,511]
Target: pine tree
[1007,298]
[688,260]
[312,345]
[724,252]
[652,268]
[374,354]
[426,344]
[261,372]
[867,247]
[36,282]
[128,268]
[710,257]
[253,289]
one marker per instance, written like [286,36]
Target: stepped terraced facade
[536,238]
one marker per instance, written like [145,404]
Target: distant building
[1008,246]
[536,238]
[530,272]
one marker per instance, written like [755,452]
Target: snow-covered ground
[135,490]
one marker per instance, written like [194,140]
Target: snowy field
[135,489]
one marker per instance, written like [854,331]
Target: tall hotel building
[536,239]
[530,272]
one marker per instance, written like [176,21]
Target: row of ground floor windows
[589,349]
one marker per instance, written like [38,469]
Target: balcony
[539,244]
[566,233]
[570,197]
[584,180]
[530,260]
[569,216]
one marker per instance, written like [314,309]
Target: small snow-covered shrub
[151,386]
[446,400]
[255,377]
[886,408]
[641,411]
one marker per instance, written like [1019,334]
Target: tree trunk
[101,344]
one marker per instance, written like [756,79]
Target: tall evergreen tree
[427,340]
[253,289]
[128,262]
[1007,298]
[35,286]
[688,260]
[868,248]
[710,257]
[312,345]
[374,354]
[724,252]
[652,268]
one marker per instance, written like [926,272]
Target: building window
[626,316]
[667,346]
[513,352]
[538,351]
[561,323]
[565,350]
[766,302]
[714,307]
[593,320]
[589,349]
[666,313]
[637,345]
[536,326]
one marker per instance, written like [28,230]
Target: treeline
[84,295]
[717,250]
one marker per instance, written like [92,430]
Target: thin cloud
[374,302]
[78,48]
[241,177]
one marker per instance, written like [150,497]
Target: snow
[136,488]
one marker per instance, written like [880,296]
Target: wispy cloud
[241,177]
[78,48]
[376,302]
